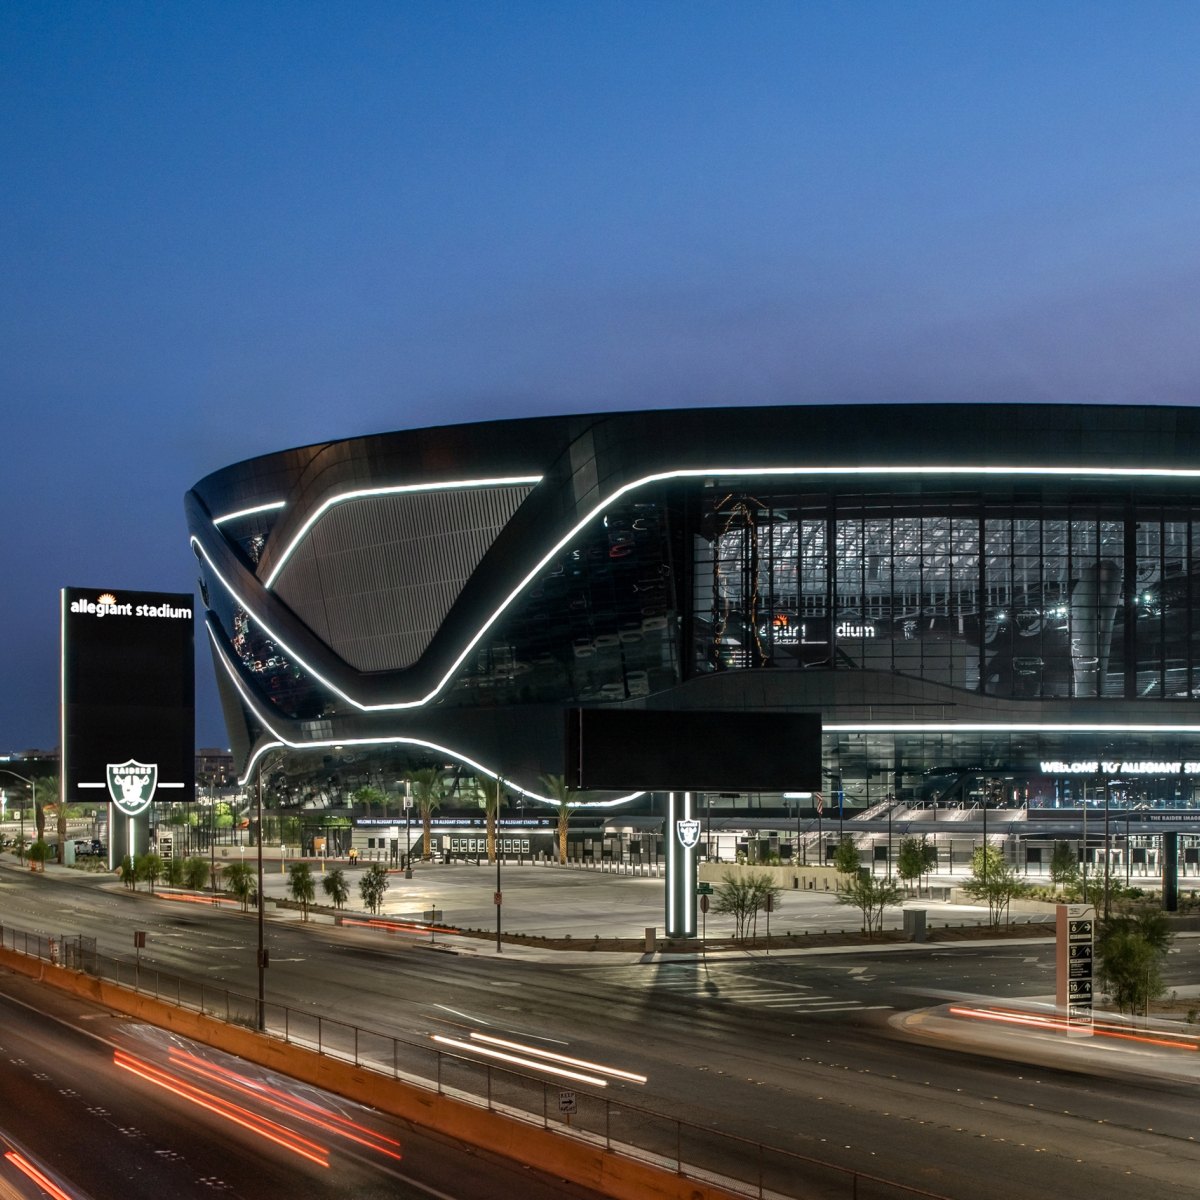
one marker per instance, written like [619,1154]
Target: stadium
[988,605]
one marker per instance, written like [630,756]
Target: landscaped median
[571,1158]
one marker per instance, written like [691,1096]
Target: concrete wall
[568,1157]
[813,878]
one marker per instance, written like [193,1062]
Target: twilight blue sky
[229,228]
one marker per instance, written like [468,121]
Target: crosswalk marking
[732,988]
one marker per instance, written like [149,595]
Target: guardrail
[693,1151]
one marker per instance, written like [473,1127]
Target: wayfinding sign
[1075,945]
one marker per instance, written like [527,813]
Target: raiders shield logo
[688,833]
[131,785]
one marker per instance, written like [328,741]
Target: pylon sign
[1075,946]
[128,719]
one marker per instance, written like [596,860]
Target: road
[110,1107]
[800,1051]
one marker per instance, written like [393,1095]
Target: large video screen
[128,696]
[709,751]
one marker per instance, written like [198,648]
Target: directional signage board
[1075,946]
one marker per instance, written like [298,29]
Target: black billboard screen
[708,751]
[128,695]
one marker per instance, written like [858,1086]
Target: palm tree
[336,887]
[368,796]
[496,798]
[301,886]
[556,785]
[428,792]
[240,881]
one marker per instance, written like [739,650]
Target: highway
[108,1107]
[800,1051]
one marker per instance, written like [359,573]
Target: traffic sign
[704,889]
[498,898]
[567,1103]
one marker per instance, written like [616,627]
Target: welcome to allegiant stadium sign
[1119,767]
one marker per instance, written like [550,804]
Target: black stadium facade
[985,601]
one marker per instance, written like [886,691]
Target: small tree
[335,887]
[301,886]
[846,858]
[1063,867]
[240,881]
[743,896]
[195,873]
[871,896]
[994,881]
[149,867]
[372,886]
[1131,948]
[39,852]
[916,858]
[128,874]
[173,871]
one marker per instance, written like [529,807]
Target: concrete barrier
[573,1159]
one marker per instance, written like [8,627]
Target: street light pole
[408,829]
[1107,851]
[33,800]
[262,945]
[499,890]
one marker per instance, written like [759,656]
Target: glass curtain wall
[1014,601]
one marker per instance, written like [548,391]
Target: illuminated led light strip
[1007,727]
[396,740]
[264,1127]
[595,1080]
[645,481]
[39,1177]
[400,489]
[274,506]
[566,1060]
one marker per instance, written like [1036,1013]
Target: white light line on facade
[274,506]
[1007,727]
[396,740]
[595,1080]
[399,489]
[92,785]
[667,477]
[566,1060]
[170,785]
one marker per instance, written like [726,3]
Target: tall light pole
[408,829]
[499,891]
[262,945]
[33,799]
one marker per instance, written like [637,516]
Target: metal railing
[696,1152]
